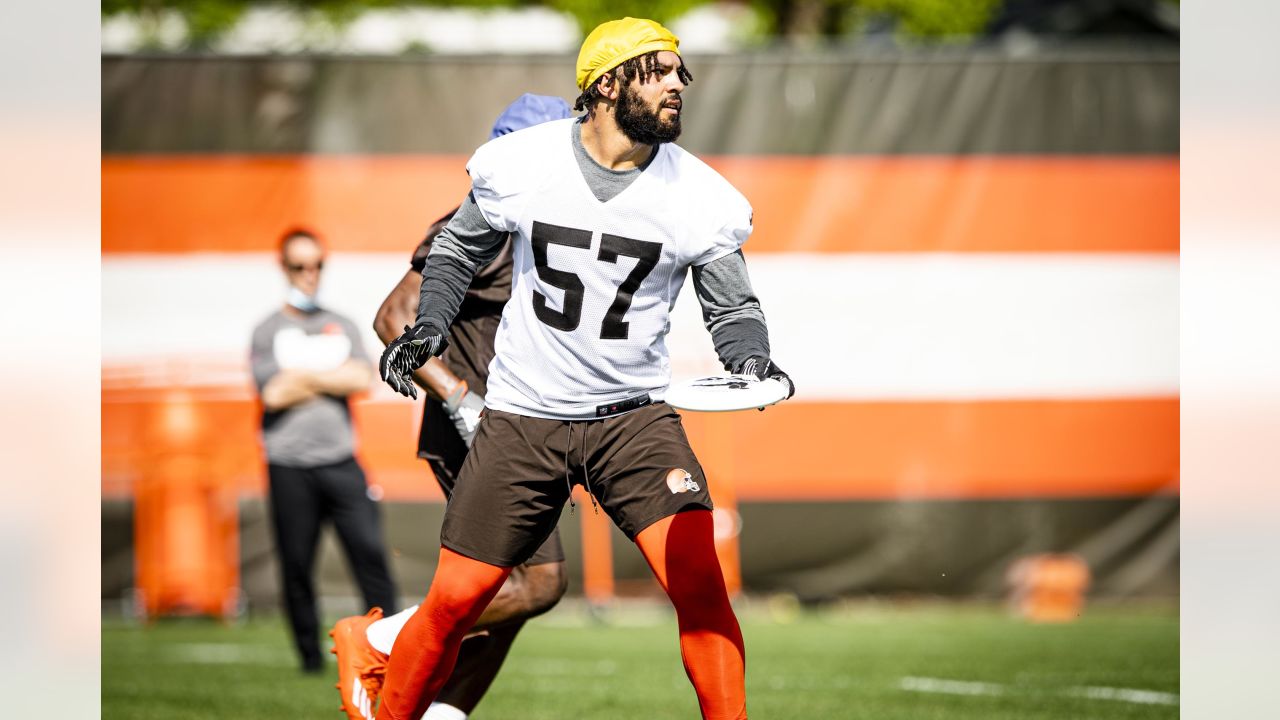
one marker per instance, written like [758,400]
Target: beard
[643,124]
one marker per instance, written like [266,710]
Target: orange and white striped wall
[958,327]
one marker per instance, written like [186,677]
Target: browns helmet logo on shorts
[679,480]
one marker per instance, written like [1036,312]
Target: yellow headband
[616,42]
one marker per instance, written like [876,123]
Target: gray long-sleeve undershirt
[730,309]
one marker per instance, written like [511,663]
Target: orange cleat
[361,667]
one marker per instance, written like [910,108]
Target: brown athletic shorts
[450,452]
[516,479]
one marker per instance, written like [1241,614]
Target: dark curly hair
[640,66]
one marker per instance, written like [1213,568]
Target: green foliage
[208,19]
[913,18]
[590,13]
[937,18]
[800,18]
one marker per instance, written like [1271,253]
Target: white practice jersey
[594,282]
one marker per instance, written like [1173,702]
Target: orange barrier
[186,524]
[1048,587]
[794,451]
[241,203]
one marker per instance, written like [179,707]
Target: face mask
[300,300]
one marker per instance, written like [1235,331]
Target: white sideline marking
[949,687]
[964,687]
[1145,697]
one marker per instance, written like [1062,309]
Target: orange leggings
[427,647]
[681,551]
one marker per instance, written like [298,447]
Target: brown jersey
[470,343]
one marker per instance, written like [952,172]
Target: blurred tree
[590,13]
[1153,19]
[793,19]
[796,19]
[206,20]
[937,18]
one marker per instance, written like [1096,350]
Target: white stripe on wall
[904,326]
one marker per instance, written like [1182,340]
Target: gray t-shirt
[605,184]
[317,431]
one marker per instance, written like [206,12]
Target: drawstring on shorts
[585,473]
[567,483]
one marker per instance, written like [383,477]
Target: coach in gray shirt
[306,360]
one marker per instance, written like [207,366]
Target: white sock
[440,711]
[382,633]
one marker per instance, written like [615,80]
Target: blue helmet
[529,110]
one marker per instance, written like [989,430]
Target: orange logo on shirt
[679,480]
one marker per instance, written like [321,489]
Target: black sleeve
[730,310]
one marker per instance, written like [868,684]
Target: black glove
[763,368]
[406,354]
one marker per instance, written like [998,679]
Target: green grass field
[872,661]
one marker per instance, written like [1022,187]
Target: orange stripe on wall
[794,451]
[971,449]
[227,203]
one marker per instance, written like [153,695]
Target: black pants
[301,500]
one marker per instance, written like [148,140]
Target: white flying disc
[723,393]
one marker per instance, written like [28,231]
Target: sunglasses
[301,268]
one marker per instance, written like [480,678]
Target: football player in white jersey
[607,217]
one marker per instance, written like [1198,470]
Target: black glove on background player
[763,368]
[406,354]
